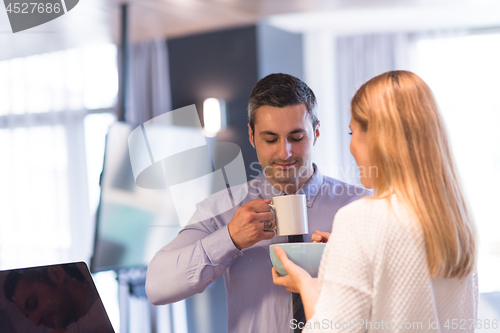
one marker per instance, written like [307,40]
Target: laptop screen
[55,298]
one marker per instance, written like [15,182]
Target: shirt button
[212,280]
[235,256]
[308,202]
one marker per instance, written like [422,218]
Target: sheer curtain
[44,212]
[359,58]
[335,67]
[149,84]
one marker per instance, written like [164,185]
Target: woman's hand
[297,281]
[297,277]
[320,237]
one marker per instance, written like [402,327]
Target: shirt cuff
[220,247]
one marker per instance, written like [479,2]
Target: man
[57,297]
[283,128]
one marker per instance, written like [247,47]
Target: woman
[404,259]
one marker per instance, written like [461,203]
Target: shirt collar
[310,189]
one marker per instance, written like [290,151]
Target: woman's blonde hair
[409,147]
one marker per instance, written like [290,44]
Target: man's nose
[285,150]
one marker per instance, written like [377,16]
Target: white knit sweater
[374,277]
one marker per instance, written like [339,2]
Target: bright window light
[5,93]
[463,74]
[214,116]
[74,79]
[96,127]
[34,202]
[43,180]
[100,77]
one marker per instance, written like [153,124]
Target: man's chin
[285,180]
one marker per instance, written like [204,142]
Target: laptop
[55,298]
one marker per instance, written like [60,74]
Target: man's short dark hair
[280,90]
[40,274]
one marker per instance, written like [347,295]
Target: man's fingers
[265,216]
[269,225]
[262,209]
[269,234]
[269,229]
[261,205]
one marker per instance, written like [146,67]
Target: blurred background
[62,94]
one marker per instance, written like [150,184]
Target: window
[463,73]
[44,202]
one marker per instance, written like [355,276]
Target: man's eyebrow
[295,131]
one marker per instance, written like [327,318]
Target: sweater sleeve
[345,277]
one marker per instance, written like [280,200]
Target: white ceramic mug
[290,215]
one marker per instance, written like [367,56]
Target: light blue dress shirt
[204,251]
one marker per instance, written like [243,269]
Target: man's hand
[252,223]
[320,236]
